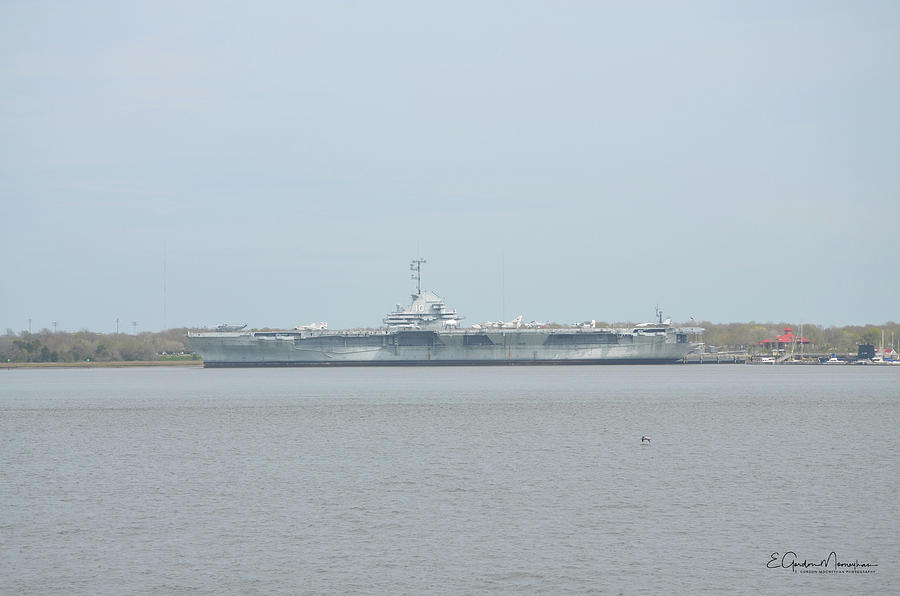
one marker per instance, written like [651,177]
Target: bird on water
[645,438]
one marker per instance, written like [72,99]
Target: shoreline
[110,364]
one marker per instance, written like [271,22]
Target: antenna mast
[416,268]
[164,286]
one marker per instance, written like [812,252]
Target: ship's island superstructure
[428,333]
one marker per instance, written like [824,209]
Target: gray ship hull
[439,348]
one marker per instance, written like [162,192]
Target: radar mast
[416,267]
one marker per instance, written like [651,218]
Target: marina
[807,360]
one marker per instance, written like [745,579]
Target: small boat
[835,360]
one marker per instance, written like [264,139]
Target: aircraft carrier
[427,333]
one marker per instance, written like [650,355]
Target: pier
[726,358]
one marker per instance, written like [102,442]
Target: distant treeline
[80,346]
[46,346]
[822,339]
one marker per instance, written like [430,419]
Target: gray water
[448,480]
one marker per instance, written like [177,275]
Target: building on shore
[886,353]
[784,340]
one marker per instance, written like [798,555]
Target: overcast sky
[277,163]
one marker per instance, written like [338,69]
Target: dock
[726,358]
[784,359]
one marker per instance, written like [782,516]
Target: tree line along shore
[169,346]
[89,347]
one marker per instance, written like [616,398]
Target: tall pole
[164,284]
[502,285]
[416,268]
